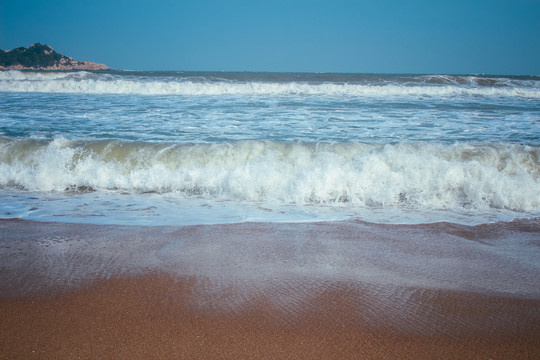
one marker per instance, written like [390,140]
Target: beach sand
[341,290]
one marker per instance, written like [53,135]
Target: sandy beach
[332,290]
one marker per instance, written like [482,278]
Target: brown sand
[279,301]
[152,316]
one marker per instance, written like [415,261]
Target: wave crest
[107,83]
[344,174]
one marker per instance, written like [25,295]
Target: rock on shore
[42,57]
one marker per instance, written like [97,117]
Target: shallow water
[250,258]
[198,148]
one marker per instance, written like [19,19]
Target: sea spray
[345,174]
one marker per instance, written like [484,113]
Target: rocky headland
[42,57]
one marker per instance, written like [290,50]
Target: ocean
[184,148]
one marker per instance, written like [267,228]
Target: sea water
[181,148]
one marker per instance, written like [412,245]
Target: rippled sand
[257,290]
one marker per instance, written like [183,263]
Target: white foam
[416,176]
[98,83]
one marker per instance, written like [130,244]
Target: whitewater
[152,148]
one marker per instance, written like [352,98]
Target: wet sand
[276,291]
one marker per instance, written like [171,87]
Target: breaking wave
[417,175]
[115,83]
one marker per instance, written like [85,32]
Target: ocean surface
[179,148]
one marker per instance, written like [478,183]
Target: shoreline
[262,290]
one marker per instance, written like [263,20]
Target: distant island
[42,57]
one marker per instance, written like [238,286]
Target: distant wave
[418,175]
[107,83]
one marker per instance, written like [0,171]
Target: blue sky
[379,36]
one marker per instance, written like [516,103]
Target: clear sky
[381,36]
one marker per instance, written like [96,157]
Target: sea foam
[417,175]
[107,83]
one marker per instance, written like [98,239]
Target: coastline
[83,65]
[270,290]
[43,57]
